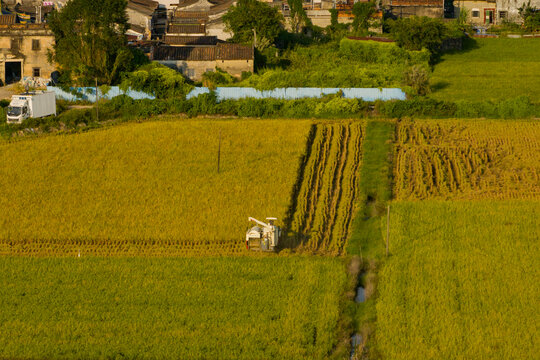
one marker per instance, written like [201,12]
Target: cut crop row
[328,190]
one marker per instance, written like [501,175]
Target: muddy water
[356,341]
[360,292]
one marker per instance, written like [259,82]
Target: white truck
[33,104]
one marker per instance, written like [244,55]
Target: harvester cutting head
[263,236]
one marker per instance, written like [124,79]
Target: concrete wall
[511,7]
[23,51]
[195,69]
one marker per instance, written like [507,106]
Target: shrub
[417,33]
[158,80]
[417,77]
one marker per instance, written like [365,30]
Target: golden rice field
[147,189]
[325,202]
[467,159]
[461,281]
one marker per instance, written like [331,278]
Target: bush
[417,78]
[158,80]
[417,33]
[380,52]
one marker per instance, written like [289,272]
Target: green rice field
[492,69]
[148,308]
[461,281]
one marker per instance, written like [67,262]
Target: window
[475,13]
[503,14]
[35,44]
[209,70]
[36,72]
[14,44]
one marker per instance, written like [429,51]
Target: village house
[194,61]
[147,19]
[23,52]
[479,13]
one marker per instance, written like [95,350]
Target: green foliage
[212,79]
[248,15]
[417,78]
[334,17]
[362,11]
[513,108]
[380,52]
[530,16]
[143,308]
[417,33]
[158,80]
[459,275]
[90,41]
[324,66]
[375,190]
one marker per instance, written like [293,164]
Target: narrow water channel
[356,341]
[360,297]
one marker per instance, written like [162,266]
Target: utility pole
[219,151]
[254,38]
[97,104]
[387,229]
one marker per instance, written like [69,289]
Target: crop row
[329,187]
[456,160]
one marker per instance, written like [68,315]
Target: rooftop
[222,51]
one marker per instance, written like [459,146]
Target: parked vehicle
[33,104]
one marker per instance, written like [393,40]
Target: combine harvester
[263,236]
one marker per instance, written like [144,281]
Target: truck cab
[17,111]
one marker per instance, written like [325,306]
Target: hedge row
[123,108]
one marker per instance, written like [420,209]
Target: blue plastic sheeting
[366,94]
[235,93]
[89,93]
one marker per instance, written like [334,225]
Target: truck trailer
[33,104]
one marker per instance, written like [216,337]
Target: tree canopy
[362,11]
[90,40]
[249,15]
[415,33]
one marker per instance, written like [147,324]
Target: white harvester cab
[263,236]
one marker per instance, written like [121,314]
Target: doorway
[488,16]
[13,71]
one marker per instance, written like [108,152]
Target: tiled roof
[190,40]
[186,29]
[417,3]
[203,53]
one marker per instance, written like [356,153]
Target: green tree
[297,15]
[362,11]
[249,15]
[416,33]
[90,40]
[531,17]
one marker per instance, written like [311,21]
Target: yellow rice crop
[465,159]
[147,189]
